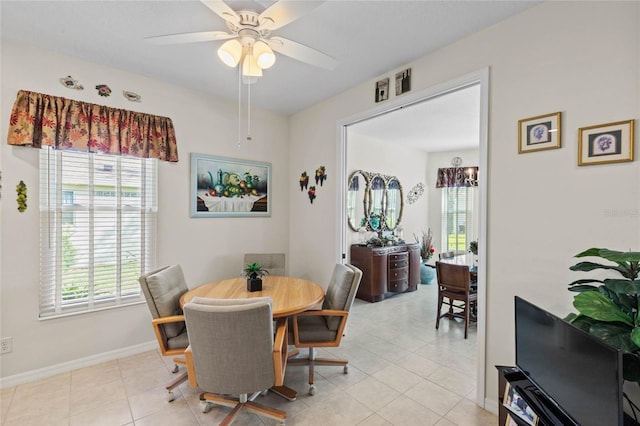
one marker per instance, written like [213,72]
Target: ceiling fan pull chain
[249,113]
[239,106]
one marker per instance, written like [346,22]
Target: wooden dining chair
[232,355]
[162,290]
[454,284]
[324,328]
[272,262]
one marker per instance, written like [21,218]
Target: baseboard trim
[491,405]
[65,367]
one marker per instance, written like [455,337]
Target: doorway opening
[479,81]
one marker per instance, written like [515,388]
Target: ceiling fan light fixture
[265,58]
[250,66]
[230,52]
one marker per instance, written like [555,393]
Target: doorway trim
[481,78]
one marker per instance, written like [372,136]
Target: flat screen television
[577,371]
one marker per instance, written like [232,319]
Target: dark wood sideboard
[386,270]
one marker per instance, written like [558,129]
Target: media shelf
[548,412]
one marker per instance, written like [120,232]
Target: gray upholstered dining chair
[232,352]
[272,262]
[454,284]
[325,327]
[162,290]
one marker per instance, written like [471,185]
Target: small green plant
[254,270]
[610,310]
[473,247]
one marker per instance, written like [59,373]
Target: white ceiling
[369,39]
[445,123]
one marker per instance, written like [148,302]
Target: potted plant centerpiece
[608,308]
[254,273]
[427,272]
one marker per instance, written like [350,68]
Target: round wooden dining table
[288,295]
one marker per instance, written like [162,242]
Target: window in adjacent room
[457,217]
[98,215]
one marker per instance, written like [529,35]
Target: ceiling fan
[249,40]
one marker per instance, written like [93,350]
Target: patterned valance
[39,120]
[457,177]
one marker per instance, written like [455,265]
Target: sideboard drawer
[398,286]
[398,274]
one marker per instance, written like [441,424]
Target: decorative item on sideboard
[427,272]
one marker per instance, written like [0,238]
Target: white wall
[542,207]
[207,248]
[409,165]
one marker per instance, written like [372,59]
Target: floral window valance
[457,177]
[39,120]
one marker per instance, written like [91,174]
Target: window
[97,229]
[457,217]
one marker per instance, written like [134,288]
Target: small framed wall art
[403,81]
[539,133]
[382,90]
[605,143]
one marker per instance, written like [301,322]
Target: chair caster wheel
[205,407]
[175,368]
[312,390]
[345,370]
[170,397]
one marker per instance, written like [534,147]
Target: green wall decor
[21,190]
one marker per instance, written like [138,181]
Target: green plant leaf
[590,266]
[615,334]
[620,286]
[585,281]
[594,251]
[596,306]
[581,288]
[635,336]
[580,321]
[620,257]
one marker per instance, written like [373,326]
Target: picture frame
[403,81]
[229,187]
[382,90]
[605,143]
[518,407]
[539,133]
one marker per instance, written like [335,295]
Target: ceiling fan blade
[189,37]
[282,13]
[302,53]
[223,10]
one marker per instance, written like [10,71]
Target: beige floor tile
[397,378]
[373,393]
[114,413]
[375,420]
[6,395]
[466,413]
[405,411]
[402,372]
[453,380]
[434,397]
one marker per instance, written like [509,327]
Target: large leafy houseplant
[608,308]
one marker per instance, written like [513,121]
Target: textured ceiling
[368,38]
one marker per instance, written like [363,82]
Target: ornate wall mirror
[374,201]
[357,199]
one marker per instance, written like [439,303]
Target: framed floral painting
[539,133]
[605,143]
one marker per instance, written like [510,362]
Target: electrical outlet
[6,345]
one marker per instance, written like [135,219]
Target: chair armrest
[165,320]
[325,313]
[280,348]
[159,332]
[191,370]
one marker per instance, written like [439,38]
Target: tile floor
[402,372]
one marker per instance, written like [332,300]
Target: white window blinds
[457,215]
[98,226]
